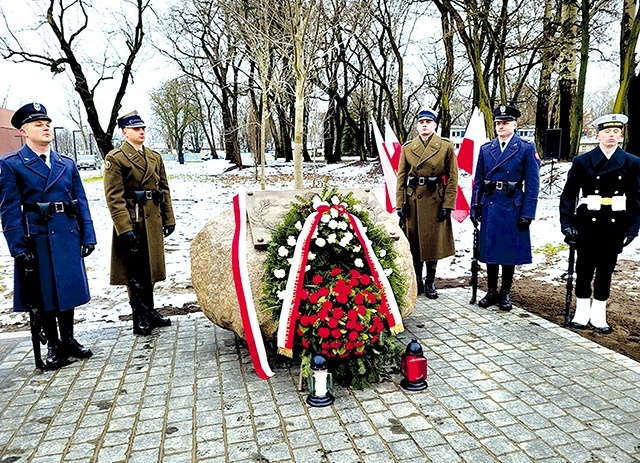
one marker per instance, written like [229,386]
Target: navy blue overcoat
[501,242]
[26,179]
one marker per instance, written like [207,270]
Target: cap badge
[37,106]
[503,109]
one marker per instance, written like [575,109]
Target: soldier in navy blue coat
[46,222]
[505,197]
[600,214]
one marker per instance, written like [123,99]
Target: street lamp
[55,137]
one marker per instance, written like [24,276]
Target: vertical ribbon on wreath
[295,281]
[250,323]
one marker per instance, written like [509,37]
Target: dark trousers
[590,264]
[507,276]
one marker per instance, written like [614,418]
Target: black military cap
[131,120]
[29,113]
[505,113]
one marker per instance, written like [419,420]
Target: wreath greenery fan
[339,309]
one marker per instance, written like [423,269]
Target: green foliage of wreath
[344,324]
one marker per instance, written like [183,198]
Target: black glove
[87,249]
[130,240]
[25,261]
[475,216]
[523,223]
[168,230]
[401,214]
[627,240]
[444,214]
[570,235]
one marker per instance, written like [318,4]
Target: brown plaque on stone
[266,210]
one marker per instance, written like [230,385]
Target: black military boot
[155,319]
[139,315]
[429,286]
[505,300]
[55,355]
[70,346]
[491,298]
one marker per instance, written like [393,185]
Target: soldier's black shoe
[430,290]
[74,349]
[54,357]
[605,330]
[578,326]
[491,298]
[420,283]
[141,324]
[505,301]
[157,320]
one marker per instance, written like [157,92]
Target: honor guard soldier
[138,197]
[505,197]
[600,214]
[48,227]
[427,183]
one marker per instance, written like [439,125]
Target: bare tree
[64,25]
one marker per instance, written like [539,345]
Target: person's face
[610,137]
[505,129]
[37,133]
[134,135]
[425,127]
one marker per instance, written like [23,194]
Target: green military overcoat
[429,238]
[126,170]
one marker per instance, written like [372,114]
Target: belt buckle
[58,207]
[148,194]
[421,181]
[499,185]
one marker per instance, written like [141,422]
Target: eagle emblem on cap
[37,106]
[503,109]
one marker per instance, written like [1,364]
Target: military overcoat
[427,236]
[126,171]
[603,230]
[57,242]
[500,241]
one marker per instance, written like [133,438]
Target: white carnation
[334,213]
[325,218]
[388,271]
[331,238]
[357,248]
[311,256]
[333,224]
[279,273]
[358,263]
[335,200]
[298,225]
[382,252]
[291,241]
[282,251]
[320,242]
[342,225]
[281,295]
[357,208]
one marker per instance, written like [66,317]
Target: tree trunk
[633,126]
[447,78]
[544,83]
[567,75]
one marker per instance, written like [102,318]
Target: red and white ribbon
[295,281]
[250,322]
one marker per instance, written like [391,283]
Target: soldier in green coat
[426,195]
[138,197]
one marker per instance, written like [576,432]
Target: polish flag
[474,137]
[389,150]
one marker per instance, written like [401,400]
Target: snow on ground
[201,190]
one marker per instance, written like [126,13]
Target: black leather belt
[46,210]
[431,182]
[142,196]
[509,188]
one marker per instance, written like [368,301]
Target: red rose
[358,343]
[304,294]
[351,325]
[305,343]
[348,345]
[345,355]
[365,280]
[361,310]
[324,332]
[327,305]
[323,292]
[374,339]
[352,336]
[337,313]
[353,282]
[342,298]
[336,333]
[313,298]
[323,314]
[352,314]
[336,344]
[317,279]
[359,299]
[332,323]
[335,271]
[325,345]
[360,327]
[354,273]
[358,352]
[372,298]
[299,332]
[312,319]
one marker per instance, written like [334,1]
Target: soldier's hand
[130,240]
[168,230]
[570,235]
[401,213]
[25,261]
[87,249]
[475,216]
[444,214]
[628,239]
[523,223]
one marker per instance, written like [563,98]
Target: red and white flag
[474,137]
[389,150]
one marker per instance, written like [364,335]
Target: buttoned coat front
[57,242]
[603,230]
[126,171]
[429,238]
[500,241]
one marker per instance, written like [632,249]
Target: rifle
[474,263]
[34,303]
[403,220]
[567,306]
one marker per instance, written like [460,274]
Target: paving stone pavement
[503,387]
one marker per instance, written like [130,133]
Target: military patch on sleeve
[107,165]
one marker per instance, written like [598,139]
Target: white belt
[595,202]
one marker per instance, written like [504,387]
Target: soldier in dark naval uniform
[138,197]
[505,197]
[427,183]
[600,214]
[48,227]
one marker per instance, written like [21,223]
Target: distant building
[10,138]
